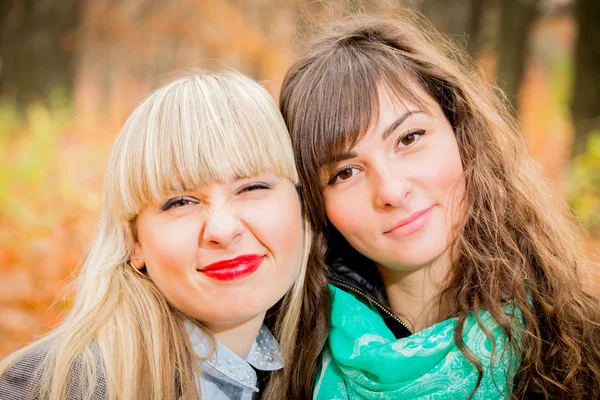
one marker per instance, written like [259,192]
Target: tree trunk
[586,88]
[461,19]
[516,19]
[474,26]
[37,47]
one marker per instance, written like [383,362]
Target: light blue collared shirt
[227,376]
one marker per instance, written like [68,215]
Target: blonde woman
[200,234]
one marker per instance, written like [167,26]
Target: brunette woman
[454,269]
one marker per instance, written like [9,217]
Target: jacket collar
[225,365]
[359,279]
[363,279]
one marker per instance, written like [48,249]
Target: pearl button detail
[225,365]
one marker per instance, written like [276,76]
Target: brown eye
[345,174]
[409,138]
[180,203]
[177,202]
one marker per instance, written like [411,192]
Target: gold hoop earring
[135,269]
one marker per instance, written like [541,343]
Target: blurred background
[72,70]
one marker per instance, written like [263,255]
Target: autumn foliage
[52,152]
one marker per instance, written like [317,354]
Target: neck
[415,296]
[238,336]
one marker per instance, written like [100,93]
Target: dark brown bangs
[337,109]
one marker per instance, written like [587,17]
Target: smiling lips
[411,224]
[235,268]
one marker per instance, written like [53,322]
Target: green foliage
[560,83]
[584,184]
[29,143]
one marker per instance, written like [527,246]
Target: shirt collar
[224,364]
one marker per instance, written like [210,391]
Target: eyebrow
[392,127]
[240,177]
[386,133]
[237,177]
[337,158]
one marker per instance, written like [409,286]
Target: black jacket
[364,281]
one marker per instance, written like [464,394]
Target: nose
[222,228]
[389,187]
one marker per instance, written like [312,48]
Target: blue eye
[177,202]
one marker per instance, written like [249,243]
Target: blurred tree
[458,18]
[474,25]
[586,88]
[37,47]
[516,19]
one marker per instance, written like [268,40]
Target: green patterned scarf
[363,359]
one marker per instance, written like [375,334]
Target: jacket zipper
[373,301]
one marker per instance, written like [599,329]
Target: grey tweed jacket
[22,379]
[225,376]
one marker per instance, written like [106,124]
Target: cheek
[168,245]
[285,231]
[449,176]
[278,225]
[348,213]
[448,179]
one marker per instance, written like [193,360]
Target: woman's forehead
[389,103]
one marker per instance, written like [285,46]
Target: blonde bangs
[198,130]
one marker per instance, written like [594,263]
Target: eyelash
[254,186]
[418,132]
[337,173]
[248,188]
[171,202]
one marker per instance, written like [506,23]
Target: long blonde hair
[176,139]
[518,244]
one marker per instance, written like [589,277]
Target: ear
[137,258]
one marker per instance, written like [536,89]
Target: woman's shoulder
[23,379]
[23,376]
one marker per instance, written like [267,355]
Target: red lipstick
[411,224]
[239,267]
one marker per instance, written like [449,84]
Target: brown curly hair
[518,243]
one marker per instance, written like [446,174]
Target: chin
[242,310]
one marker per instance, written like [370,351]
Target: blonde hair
[176,139]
